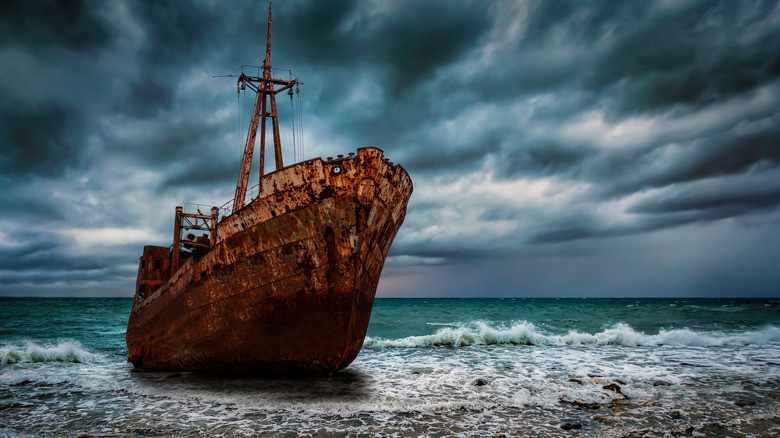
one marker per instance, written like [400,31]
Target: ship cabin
[194,233]
[154,269]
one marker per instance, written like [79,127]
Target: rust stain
[289,281]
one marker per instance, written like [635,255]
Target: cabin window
[142,291]
[336,170]
[143,264]
[156,264]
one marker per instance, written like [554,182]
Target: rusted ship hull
[289,282]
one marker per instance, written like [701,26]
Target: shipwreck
[282,278]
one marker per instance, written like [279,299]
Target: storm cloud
[563,148]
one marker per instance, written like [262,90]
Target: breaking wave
[68,351]
[525,333]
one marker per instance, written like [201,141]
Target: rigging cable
[292,116]
[238,97]
[300,120]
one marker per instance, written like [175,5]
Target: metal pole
[277,140]
[246,162]
[214,219]
[267,63]
[262,137]
[176,241]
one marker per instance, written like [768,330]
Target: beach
[429,367]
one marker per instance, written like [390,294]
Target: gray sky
[583,148]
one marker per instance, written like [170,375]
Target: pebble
[618,411]
[592,405]
[619,402]
[570,426]
[480,382]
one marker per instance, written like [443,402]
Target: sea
[428,367]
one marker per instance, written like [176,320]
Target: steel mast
[264,87]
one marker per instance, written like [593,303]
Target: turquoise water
[434,367]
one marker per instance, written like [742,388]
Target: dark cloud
[70,23]
[147,97]
[700,159]
[173,138]
[705,201]
[564,234]
[722,200]
[584,22]
[437,157]
[51,254]
[201,172]
[410,41]
[177,33]
[39,141]
[546,157]
[668,57]
[649,47]
[418,43]
[28,205]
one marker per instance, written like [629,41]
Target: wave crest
[525,333]
[68,351]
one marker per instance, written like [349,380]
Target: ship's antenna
[267,62]
[272,97]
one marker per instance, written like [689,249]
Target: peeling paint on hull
[289,284]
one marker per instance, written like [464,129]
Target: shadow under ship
[282,284]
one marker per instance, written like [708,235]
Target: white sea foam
[68,351]
[525,333]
